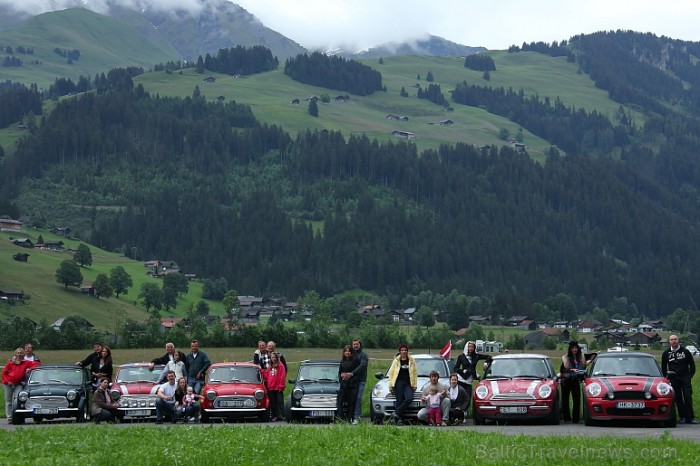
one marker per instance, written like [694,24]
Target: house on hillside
[21,257]
[10,225]
[644,339]
[53,246]
[11,296]
[23,242]
[168,323]
[61,231]
[209,79]
[403,134]
[447,123]
[59,322]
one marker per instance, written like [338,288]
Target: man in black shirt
[678,365]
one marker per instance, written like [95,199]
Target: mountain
[219,24]
[433,46]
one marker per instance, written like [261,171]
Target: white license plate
[630,405]
[138,412]
[45,410]
[415,404]
[231,404]
[514,410]
[322,413]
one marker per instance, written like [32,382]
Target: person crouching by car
[12,375]
[165,403]
[573,366]
[103,408]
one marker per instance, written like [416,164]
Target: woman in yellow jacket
[403,382]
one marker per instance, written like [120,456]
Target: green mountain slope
[269,95]
[103,43]
[50,300]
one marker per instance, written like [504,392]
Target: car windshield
[138,374]
[240,374]
[316,373]
[625,365]
[426,366]
[68,376]
[522,367]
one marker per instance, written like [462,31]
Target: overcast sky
[358,24]
[494,24]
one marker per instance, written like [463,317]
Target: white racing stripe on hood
[494,387]
[532,387]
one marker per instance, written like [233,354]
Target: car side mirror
[379,375]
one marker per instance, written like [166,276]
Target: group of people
[183,378]
[13,373]
[444,404]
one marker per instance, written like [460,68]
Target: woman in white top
[177,365]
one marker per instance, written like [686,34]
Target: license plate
[514,410]
[138,412]
[231,404]
[322,413]
[415,404]
[45,410]
[630,405]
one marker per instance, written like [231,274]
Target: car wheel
[82,415]
[587,420]
[554,418]
[671,422]
[17,420]
[38,419]
[204,418]
[478,420]
[265,416]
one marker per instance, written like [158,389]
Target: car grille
[47,402]
[629,395]
[318,401]
[630,412]
[137,401]
[512,396]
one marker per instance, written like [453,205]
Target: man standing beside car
[678,365]
[359,373]
[197,364]
[165,403]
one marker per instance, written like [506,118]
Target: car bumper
[234,413]
[385,408]
[47,413]
[513,411]
[601,410]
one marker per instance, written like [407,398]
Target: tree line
[333,72]
[238,60]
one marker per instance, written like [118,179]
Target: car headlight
[379,390]
[23,396]
[594,389]
[71,395]
[259,395]
[297,393]
[663,389]
[115,395]
[482,392]
[211,395]
[545,391]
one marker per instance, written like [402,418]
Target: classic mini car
[517,387]
[52,392]
[135,386]
[315,391]
[234,390]
[627,386]
[381,401]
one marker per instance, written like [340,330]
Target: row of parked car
[521,387]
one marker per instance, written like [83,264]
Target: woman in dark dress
[466,365]
[102,367]
[347,394]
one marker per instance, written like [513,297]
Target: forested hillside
[224,195]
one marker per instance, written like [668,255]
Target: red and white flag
[446,350]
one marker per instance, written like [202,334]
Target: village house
[23,242]
[21,257]
[10,225]
[168,323]
[536,339]
[61,231]
[11,296]
[403,134]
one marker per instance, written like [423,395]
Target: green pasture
[50,300]
[322,445]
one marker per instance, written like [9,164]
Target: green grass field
[51,300]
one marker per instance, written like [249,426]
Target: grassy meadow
[50,300]
[321,445]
